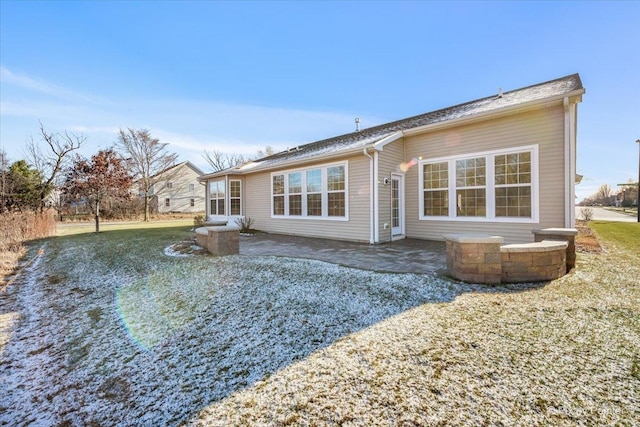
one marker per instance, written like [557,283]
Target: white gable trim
[389,139]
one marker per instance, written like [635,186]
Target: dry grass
[16,229]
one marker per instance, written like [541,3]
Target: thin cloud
[10,78]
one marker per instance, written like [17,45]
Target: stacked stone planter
[483,259]
[474,259]
[219,240]
[533,262]
[563,235]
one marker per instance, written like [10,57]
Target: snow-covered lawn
[110,330]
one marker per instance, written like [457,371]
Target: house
[177,189]
[504,164]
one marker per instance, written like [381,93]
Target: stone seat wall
[533,262]
[219,240]
[482,259]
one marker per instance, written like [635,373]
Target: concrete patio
[401,256]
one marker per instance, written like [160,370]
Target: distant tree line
[54,175]
[626,196]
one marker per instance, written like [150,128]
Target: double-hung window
[278,194]
[336,191]
[314,193]
[295,194]
[317,192]
[491,186]
[235,204]
[217,197]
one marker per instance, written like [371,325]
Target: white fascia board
[389,139]
[575,96]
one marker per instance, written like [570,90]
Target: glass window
[471,173]
[278,194]
[513,185]
[295,194]
[235,207]
[436,189]
[216,197]
[492,185]
[192,202]
[318,192]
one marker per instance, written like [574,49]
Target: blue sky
[236,76]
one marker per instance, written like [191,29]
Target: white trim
[569,163]
[402,206]
[324,192]
[240,198]
[376,199]
[387,140]
[490,187]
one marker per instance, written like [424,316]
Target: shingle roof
[361,139]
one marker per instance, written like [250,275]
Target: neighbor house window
[235,197]
[192,202]
[320,192]
[169,184]
[192,187]
[493,186]
[216,197]
[167,202]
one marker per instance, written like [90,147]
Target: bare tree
[603,195]
[268,151]
[147,158]
[220,161]
[49,163]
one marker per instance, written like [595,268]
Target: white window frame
[224,181]
[324,192]
[490,187]
[238,198]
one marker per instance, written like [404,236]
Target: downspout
[573,115]
[371,211]
[376,197]
[568,203]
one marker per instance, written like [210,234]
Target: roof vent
[357,124]
[499,92]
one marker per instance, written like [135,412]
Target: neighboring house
[501,165]
[177,189]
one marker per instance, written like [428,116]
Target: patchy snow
[116,333]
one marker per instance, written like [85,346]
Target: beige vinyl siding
[389,160]
[257,190]
[544,127]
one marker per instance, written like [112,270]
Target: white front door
[397,205]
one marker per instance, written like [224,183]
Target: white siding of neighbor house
[543,127]
[180,194]
[389,160]
[257,190]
